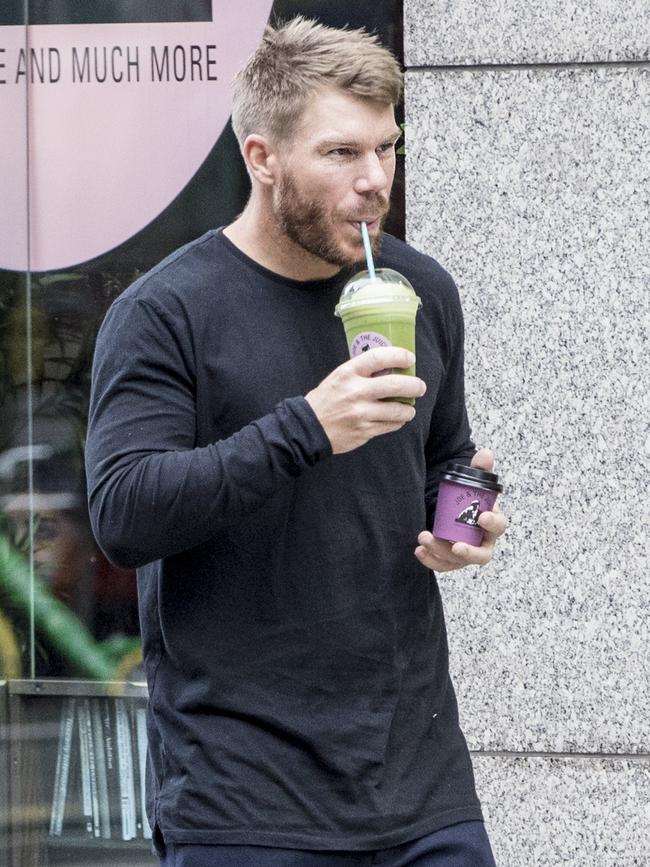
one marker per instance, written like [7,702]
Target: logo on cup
[368,340]
[470,515]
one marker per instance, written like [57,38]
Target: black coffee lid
[465,475]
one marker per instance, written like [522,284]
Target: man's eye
[341,152]
[386,147]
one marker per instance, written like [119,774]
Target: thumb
[483,460]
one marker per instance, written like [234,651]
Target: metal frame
[17,757]
[5,822]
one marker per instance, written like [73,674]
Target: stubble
[309,224]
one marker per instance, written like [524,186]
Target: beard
[310,224]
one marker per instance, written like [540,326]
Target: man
[275,503]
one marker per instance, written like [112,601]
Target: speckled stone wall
[440,32]
[531,184]
[581,811]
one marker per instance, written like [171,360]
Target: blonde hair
[298,58]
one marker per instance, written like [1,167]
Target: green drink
[380,311]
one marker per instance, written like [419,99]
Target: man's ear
[260,158]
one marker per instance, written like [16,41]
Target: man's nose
[374,176]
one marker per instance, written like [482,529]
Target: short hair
[298,58]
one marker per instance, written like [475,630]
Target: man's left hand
[443,556]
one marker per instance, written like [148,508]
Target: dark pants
[463,845]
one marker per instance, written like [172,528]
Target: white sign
[105,124]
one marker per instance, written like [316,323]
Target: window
[71,675]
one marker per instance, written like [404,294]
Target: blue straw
[366,244]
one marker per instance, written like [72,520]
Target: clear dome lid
[386,287]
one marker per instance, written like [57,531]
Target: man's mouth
[371,223]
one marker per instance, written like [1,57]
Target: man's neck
[259,237]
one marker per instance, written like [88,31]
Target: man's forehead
[338,116]
[359,141]
[360,132]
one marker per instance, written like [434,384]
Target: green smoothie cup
[380,310]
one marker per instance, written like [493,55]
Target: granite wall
[528,177]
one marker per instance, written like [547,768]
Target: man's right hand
[348,403]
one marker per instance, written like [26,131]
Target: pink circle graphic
[102,125]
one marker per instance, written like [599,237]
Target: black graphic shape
[470,514]
[103,11]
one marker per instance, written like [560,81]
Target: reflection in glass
[82,610]
[65,611]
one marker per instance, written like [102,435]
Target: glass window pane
[69,618]
[15,632]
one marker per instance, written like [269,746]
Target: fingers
[470,555]
[388,385]
[394,385]
[494,522]
[437,554]
[353,406]
[390,412]
[442,556]
[483,460]
[379,359]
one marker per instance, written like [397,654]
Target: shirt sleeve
[449,435]
[152,493]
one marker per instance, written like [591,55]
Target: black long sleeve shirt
[295,649]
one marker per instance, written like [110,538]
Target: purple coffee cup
[463,494]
